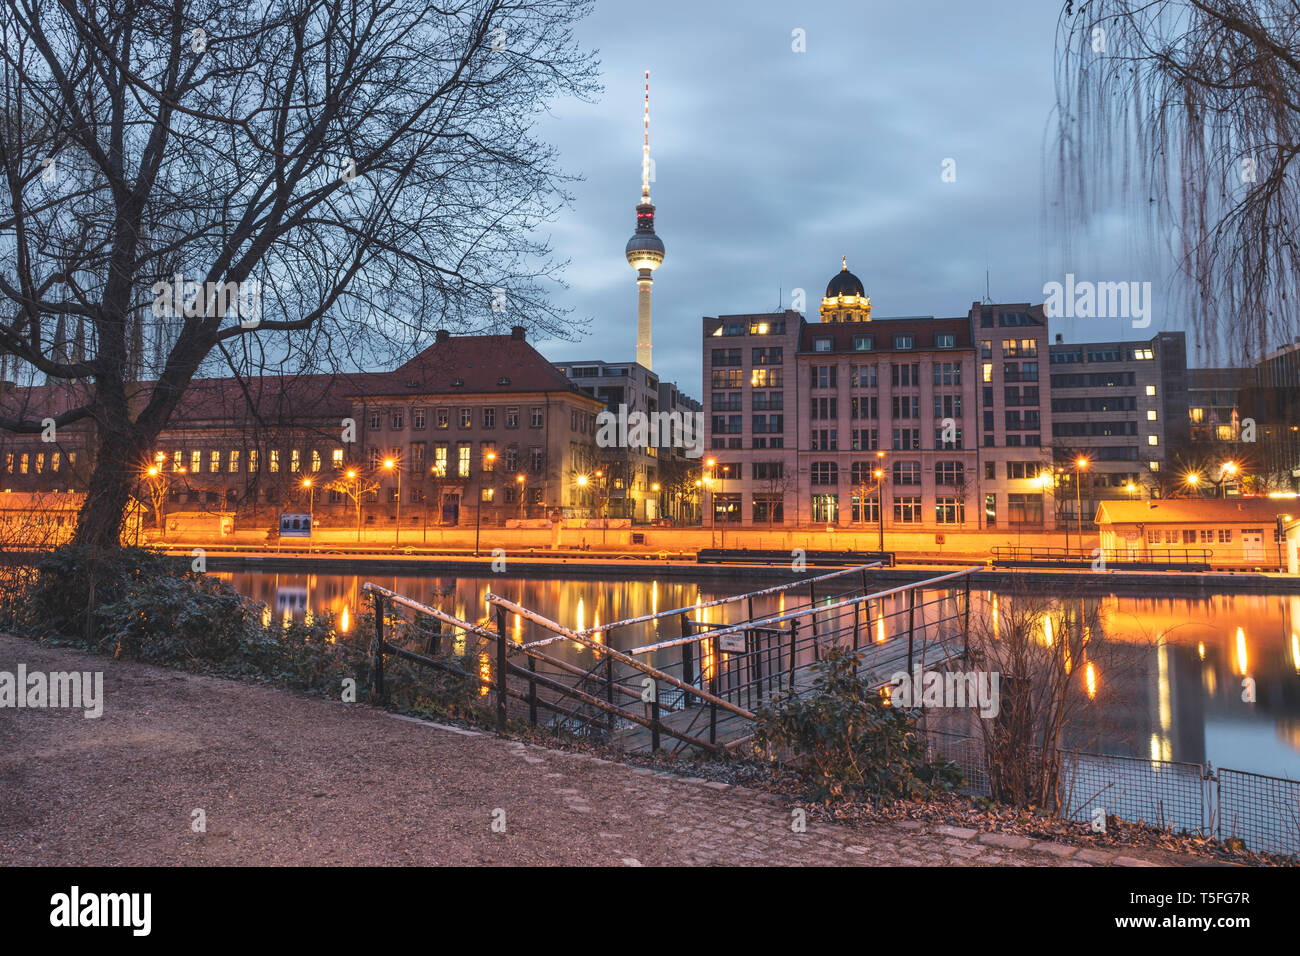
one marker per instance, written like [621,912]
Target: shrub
[854,742]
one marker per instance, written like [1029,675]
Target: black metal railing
[1148,558]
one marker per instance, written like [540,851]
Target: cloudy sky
[772,164]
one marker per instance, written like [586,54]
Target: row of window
[442,418]
[903,341]
[901,472]
[35,462]
[1075,356]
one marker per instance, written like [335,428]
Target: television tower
[645,250]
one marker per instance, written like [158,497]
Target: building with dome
[940,421]
[845,300]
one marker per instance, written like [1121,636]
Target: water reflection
[1174,674]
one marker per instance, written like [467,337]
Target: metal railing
[701,689]
[1166,558]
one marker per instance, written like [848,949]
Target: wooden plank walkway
[880,660]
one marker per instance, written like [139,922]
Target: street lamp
[478,509]
[522,482]
[1229,470]
[356,497]
[879,474]
[1080,464]
[391,464]
[311,510]
[1193,480]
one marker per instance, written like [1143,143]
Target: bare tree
[287,184]
[1190,110]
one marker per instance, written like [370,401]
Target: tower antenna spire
[645,149]
[645,250]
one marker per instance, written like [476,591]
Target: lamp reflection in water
[1090,680]
[1241,651]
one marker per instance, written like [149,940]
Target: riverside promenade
[284,779]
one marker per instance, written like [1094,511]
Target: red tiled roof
[484,363]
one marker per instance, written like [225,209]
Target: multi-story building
[1121,407]
[482,418]
[631,483]
[809,422]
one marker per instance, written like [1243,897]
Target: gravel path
[283,779]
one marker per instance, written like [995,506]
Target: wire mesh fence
[1261,811]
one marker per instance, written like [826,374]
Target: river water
[1182,660]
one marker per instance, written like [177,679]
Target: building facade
[481,420]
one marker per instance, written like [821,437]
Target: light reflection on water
[1184,659]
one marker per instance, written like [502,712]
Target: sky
[771,164]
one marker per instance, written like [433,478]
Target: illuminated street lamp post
[879,474]
[478,509]
[311,510]
[1080,465]
[1193,481]
[391,464]
[356,497]
[1229,471]
[522,482]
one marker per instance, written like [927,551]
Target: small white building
[1241,532]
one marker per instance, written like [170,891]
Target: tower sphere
[645,250]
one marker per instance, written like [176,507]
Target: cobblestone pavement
[282,779]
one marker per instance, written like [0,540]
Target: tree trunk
[102,514]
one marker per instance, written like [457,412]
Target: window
[725,357]
[868,511]
[764,378]
[275,460]
[463,451]
[867,406]
[419,419]
[863,376]
[986,349]
[315,460]
[949,472]
[987,371]
[1024,509]
[489,418]
[1151,390]
[234,460]
[727,402]
[865,439]
[1225,536]
[863,343]
[945,340]
[336,458]
[1151,414]
[768,470]
[947,373]
[416,462]
[949,509]
[907,439]
[907,509]
[821,345]
[443,417]
[295,461]
[1153,440]
[863,473]
[537,460]
[488,451]
[440,460]
[825,473]
[376,421]
[826,508]
[768,401]
[902,376]
[904,340]
[824,408]
[512,418]
[196,461]
[907,473]
[947,406]
[728,378]
[398,421]
[762,424]
[768,356]
[906,406]
[824,439]
[768,509]
[823,376]
[466,417]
